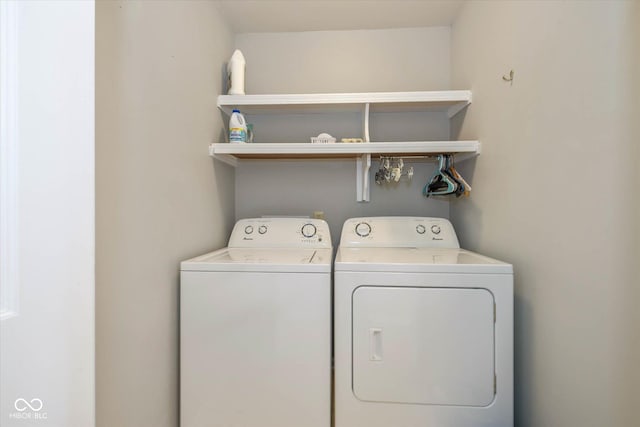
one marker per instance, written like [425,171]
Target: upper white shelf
[450,101]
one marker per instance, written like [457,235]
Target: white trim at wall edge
[9,283]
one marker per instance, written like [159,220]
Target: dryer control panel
[280,233]
[399,232]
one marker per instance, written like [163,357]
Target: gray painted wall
[340,61]
[160,198]
[554,194]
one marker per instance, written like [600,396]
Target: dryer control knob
[363,229]
[262,229]
[435,229]
[309,230]
[248,229]
[420,229]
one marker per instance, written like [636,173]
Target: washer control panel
[363,229]
[309,230]
[280,233]
[418,232]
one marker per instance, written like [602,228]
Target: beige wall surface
[554,194]
[340,61]
[633,384]
[160,198]
[346,61]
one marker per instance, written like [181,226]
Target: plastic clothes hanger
[450,170]
[440,184]
[467,187]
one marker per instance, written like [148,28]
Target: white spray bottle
[235,73]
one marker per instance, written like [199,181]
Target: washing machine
[255,328]
[423,330]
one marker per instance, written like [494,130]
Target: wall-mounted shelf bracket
[363,165]
[229,159]
[455,109]
[365,122]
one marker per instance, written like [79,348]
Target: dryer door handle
[375,344]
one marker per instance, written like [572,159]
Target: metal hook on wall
[510,78]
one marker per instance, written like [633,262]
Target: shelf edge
[356,149]
[460,98]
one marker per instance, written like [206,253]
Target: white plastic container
[237,128]
[235,73]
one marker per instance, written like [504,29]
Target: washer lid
[420,260]
[263,260]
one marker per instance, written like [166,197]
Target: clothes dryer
[255,328]
[423,330]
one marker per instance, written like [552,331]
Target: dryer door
[423,345]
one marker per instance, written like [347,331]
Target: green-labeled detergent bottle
[237,128]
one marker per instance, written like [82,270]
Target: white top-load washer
[423,330]
[255,328]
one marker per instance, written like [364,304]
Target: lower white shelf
[362,152]
[229,153]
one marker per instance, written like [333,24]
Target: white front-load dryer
[423,330]
[255,328]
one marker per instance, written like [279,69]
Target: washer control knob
[248,229]
[420,229]
[363,229]
[262,229]
[435,229]
[309,230]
